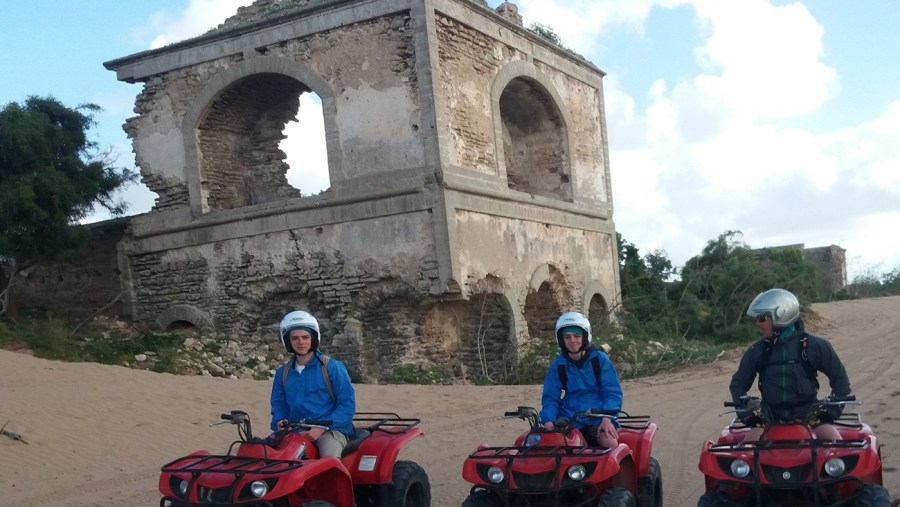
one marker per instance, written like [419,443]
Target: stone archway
[233,130]
[531,127]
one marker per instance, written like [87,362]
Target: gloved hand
[824,417]
[752,402]
[829,413]
[749,418]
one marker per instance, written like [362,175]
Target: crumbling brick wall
[90,278]
[831,269]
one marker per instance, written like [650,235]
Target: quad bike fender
[869,466]
[709,465]
[373,462]
[619,470]
[318,479]
[641,444]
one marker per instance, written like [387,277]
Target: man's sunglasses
[763,317]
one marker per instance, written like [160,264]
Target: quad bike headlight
[835,467]
[259,488]
[740,468]
[495,475]
[576,472]
[179,486]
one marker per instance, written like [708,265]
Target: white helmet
[297,320]
[780,305]
[571,319]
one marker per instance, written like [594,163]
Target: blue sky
[779,119]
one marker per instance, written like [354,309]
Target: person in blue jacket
[582,377]
[305,391]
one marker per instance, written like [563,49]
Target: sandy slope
[98,434]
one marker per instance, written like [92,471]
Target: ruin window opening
[541,312]
[241,136]
[304,147]
[598,316]
[183,327]
[534,140]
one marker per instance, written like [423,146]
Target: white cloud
[305,148]
[199,17]
[763,61]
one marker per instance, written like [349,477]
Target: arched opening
[487,350]
[390,316]
[541,311]
[598,316]
[240,138]
[534,140]
[183,327]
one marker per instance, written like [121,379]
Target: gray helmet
[780,305]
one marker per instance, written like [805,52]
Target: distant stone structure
[470,198]
[90,279]
[831,267]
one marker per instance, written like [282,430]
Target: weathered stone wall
[831,269]
[469,61]
[248,284]
[516,251]
[91,278]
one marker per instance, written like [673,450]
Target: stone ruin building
[830,263]
[469,201]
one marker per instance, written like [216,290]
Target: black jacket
[785,384]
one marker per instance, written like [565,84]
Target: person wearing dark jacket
[591,382]
[786,361]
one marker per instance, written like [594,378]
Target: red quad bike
[557,468]
[284,470]
[788,465]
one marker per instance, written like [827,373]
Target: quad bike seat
[359,434]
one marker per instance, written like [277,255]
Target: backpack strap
[284,371]
[802,344]
[563,376]
[324,359]
[808,367]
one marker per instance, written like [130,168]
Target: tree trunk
[8,272]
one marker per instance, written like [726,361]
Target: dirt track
[98,434]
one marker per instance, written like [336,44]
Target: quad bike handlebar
[242,420]
[530,415]
[750,407]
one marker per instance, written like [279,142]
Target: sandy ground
[98,434]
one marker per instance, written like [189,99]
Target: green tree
[645,287]
[51,177]
[545,32]
[717,286]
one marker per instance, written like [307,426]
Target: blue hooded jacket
[306,395]
[582,391]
